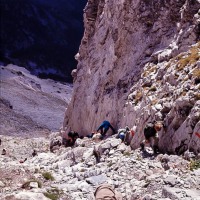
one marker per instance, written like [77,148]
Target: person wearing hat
[122,133]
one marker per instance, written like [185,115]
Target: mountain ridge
[42,36]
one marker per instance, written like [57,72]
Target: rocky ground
[30,106]
[74,173]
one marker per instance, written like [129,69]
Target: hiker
[54,144]
[106,191]
[72,136]
[129,135]
[104,128]
[122,133]
[151,136]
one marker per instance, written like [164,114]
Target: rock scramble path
[74,174]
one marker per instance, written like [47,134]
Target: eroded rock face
[135,65]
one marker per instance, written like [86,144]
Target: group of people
[150,134]
[72,136]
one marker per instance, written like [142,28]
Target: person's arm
[112,128]
[100,127]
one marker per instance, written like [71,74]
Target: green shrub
[194,164]
[153,89]
[126,153]
[48,176]
[191,58]
[110,164]
[53,194]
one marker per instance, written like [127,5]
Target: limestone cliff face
[135,65]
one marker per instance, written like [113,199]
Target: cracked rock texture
[139,61]
[76,174]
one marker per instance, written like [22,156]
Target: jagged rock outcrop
[136,63]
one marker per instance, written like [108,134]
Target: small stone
[97,180]
[171,180]
[3,152]
[33,185]
[2,184]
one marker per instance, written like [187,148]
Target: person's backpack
[149,131]
[106,192]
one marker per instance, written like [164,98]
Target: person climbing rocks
[53,143]
[129,136]
[72,136]
[151,136]
[122,133]
[103,128]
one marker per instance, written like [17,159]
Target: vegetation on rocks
[191,58]
[53,193]
[48,176]
[194,164]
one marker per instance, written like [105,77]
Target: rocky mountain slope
[30,106]
[139,61]
[74,173]
[42,35]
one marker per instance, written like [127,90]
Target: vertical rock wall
[122,39]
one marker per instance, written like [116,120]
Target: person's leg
[127,138]
[142,145]
[156,140]
[101,130]
[154,144]
[105,131]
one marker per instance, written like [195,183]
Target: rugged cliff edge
[139,61]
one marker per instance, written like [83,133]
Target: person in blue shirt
[103,128]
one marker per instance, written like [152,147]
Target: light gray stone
[2,184]
[30,195]
[33,185]
[97,180]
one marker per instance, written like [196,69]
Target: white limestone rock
[30,195]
